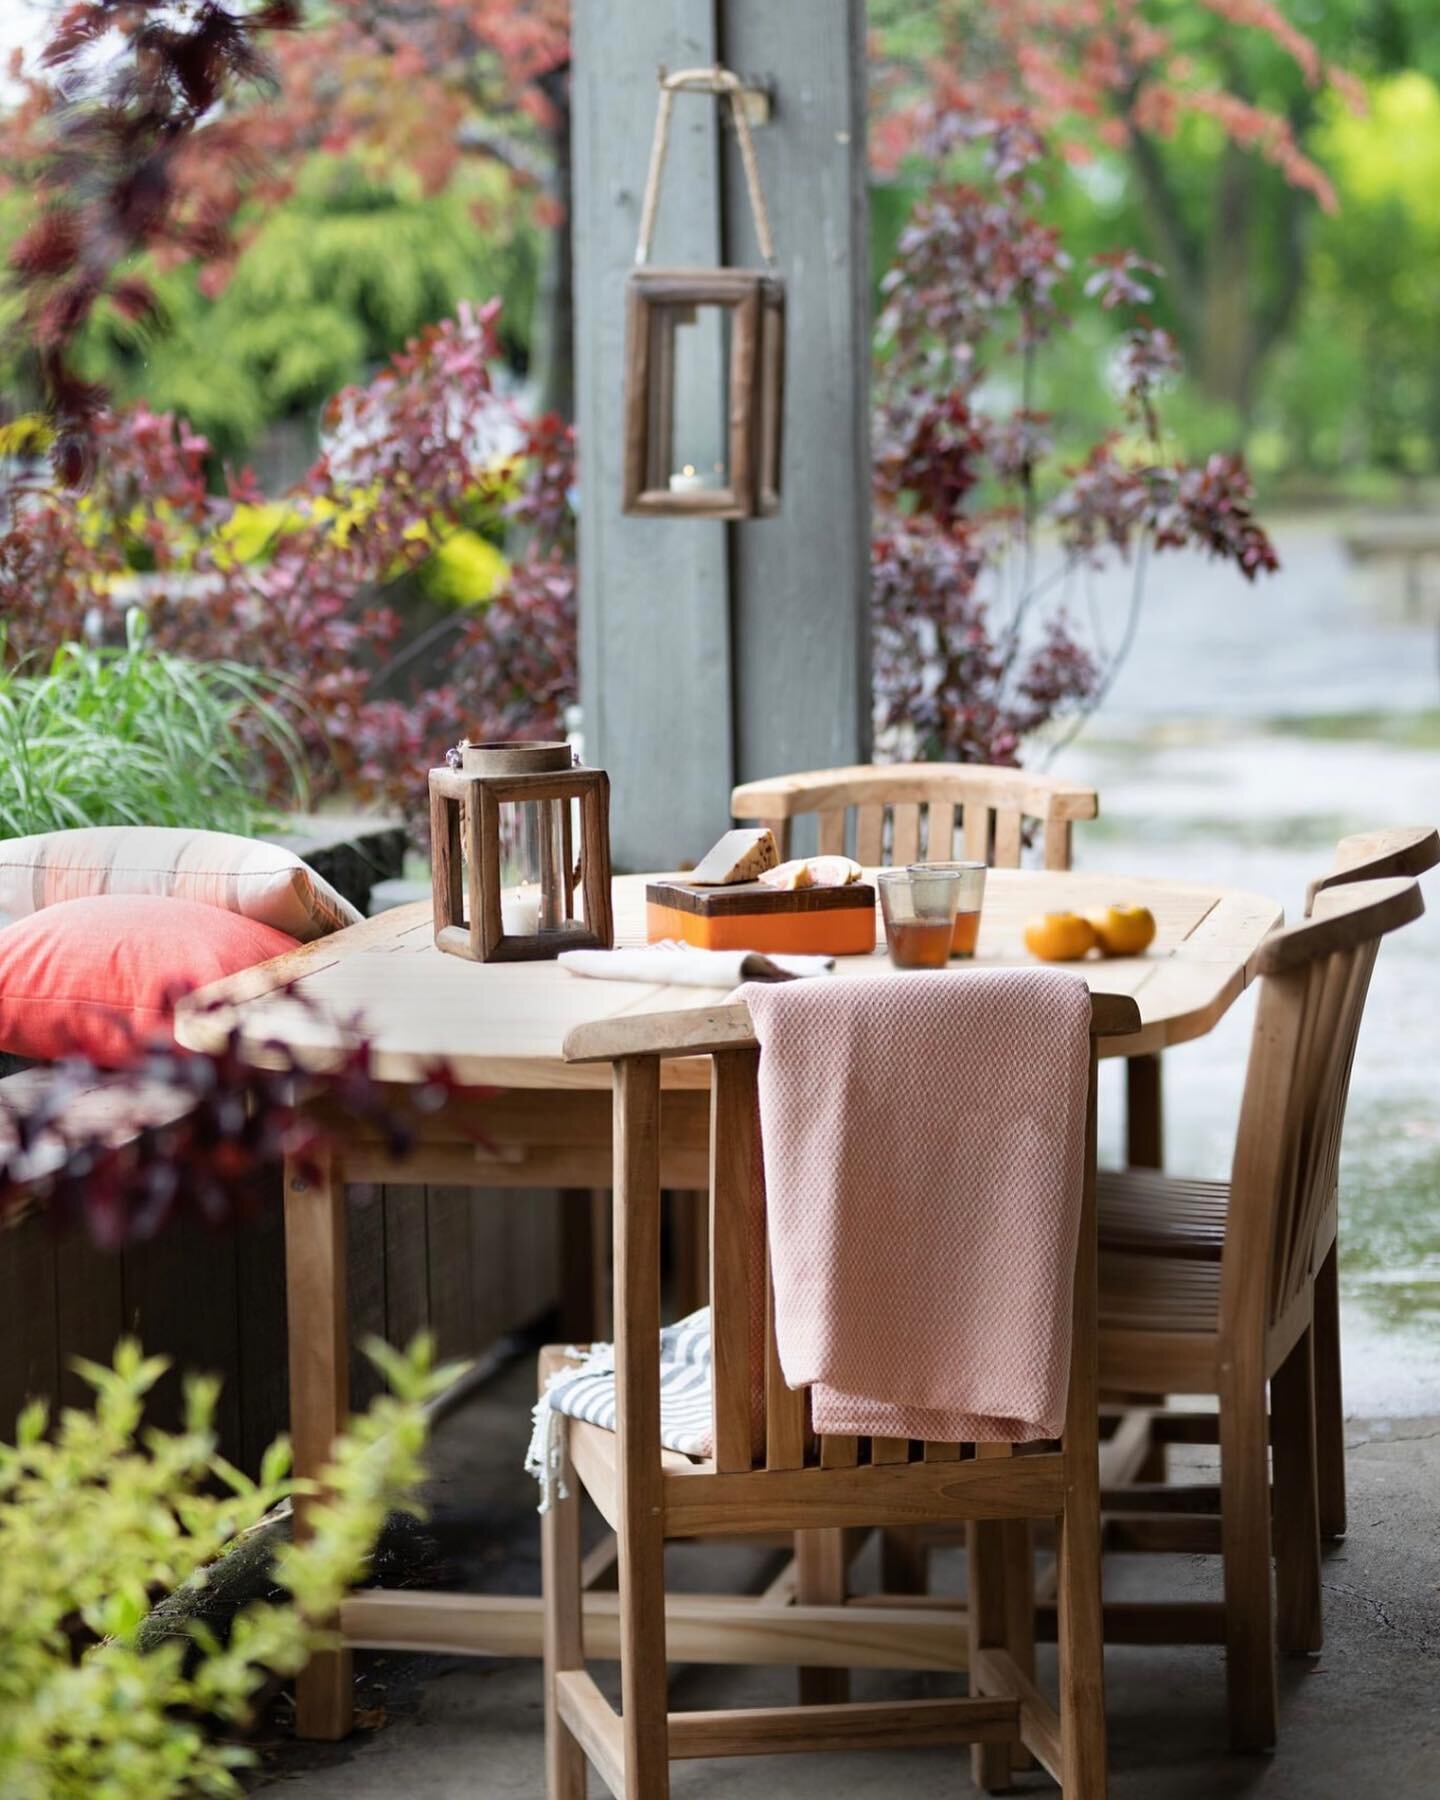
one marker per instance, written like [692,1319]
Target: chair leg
[990,1765]
[1081,1638]
[1329,1400]
[1245,1538]
[1019,1539]
[904,1561]
[821,1567]
[1299,1620]
[1080,1625]
[565,1771]
[639,1527]
[644,1698]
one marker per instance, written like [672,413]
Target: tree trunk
[1226,353]
[554,329]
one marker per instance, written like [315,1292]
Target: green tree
[1208,125]
[329,283]
[1359,381]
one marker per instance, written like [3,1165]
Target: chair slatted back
[1314,979]
[922,812]
[1374,855]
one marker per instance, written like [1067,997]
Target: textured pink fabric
[924,1157]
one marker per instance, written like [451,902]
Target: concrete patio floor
[1361,1720]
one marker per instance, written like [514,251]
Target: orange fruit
[1123,930]
[1059,937]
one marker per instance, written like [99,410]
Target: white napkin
[688,967]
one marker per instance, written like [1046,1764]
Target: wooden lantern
[503,867]
[702,430]
[704,357]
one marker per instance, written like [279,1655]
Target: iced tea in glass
[919,908]
[970,897]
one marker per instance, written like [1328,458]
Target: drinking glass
[919,908]
[970,898]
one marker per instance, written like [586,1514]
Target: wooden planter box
[470,1266]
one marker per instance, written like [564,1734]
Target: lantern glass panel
[536,884]
[688,434]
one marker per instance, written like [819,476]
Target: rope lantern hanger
[704,353]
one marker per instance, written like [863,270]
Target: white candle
[520,910]
[686,481]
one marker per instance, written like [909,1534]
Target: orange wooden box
[814,921]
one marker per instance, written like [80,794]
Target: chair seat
[1145,1211]
[580,1384]
[1159,1324]
[1158,1293]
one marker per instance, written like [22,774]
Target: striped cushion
[586,1390]
[238,874]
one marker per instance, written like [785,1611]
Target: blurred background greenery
[1309,334]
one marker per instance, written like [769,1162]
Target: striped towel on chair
[586,1391]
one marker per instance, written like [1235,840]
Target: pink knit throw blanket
[924,1143]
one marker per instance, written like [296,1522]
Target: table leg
[1144,1113]
[1145,1149]
[689,1214]
[319,1390]
[579,1279]
[822,1566]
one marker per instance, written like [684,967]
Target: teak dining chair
[781,1477]
[912,812]
[1152,1214]
[1176,1323]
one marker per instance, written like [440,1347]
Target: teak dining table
[504,1026]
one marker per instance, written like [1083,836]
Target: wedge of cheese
[742,855]
[812,872]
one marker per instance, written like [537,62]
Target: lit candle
[686,481]
[520,910]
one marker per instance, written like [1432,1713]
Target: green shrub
[99,1518]
[134,736]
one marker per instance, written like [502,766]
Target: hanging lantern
[704,358]
[504,871]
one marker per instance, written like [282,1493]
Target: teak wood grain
[757,897]
[507,1023]
[893,803]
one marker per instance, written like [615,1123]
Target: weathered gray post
[714,653]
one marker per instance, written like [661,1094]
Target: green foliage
[329,284]
[466,569]
[134,736]
[1359,381]
[100,1518]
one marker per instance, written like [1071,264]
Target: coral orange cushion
[99,977]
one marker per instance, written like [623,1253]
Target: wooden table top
[506,1023]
